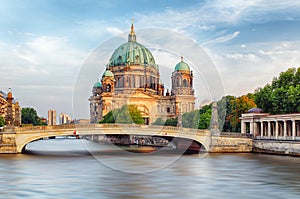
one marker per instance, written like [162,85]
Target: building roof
[98,85]
[132,52]
[182,66]
[108,73]
[255,110]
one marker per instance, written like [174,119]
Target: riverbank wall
[278,147]
[231,143]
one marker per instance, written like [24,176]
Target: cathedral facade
[132,77]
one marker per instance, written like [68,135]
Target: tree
[127,114]
[205,117]
[191,119]
[2,121]
[224,110]
[239,106]
[197,119]
[29,116]
[159,122]
[171,122]
[108,118]
[282,95]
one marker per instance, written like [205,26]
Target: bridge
[15,140]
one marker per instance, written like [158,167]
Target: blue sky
[43,44]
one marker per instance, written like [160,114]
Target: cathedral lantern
[182,79]
[108,82]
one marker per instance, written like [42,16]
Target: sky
[45,44]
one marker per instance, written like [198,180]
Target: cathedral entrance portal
[145,113]
[146,120]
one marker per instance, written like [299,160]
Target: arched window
[185,83]
[108,88]
[177,82]
[119,60]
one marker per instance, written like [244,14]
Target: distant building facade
[51,117]
[10,109]
[132,77]
[64,118]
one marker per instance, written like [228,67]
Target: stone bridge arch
[25,135]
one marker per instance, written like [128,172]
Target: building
[10,109]
[264,125]
[132,77]
[64,118]
[51,117]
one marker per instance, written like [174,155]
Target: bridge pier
[8,142]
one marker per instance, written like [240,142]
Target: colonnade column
[269,129]
[276,129]
[284,129]
[293,129]
[262,129]
[252,127]
[243,127]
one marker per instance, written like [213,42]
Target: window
[108,88]
[168,110]
[185,83]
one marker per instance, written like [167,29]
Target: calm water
[62,169]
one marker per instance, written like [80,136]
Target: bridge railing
[106,126]
[237,135]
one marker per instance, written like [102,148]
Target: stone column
[243,127]
[276,129]
[269,129]
[293,129]
[261,128]
[255,129]
[284,129]
[252,127]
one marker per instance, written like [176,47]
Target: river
[63,168]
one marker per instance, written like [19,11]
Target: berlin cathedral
[132,77]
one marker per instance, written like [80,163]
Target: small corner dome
[255,110]
[108,73]
[182,66]
[97,85]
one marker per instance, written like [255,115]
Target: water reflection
[61,173]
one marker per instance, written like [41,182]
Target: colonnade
[265,126]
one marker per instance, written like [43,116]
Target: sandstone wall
[277,147]
[230,145]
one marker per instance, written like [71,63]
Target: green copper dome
[108,73]
[132,53]
[97,85]
[182,66]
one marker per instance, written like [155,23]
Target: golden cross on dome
[132,27]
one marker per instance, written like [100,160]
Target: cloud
[41,66]
[222,39]
[243,72]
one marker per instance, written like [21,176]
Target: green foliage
[127,114]
[171,122]
[205,118]
[191,119]
[159,122]
[224,110]
[283,95]
[239,106]
[29,116]
[2,121]
[197,119]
